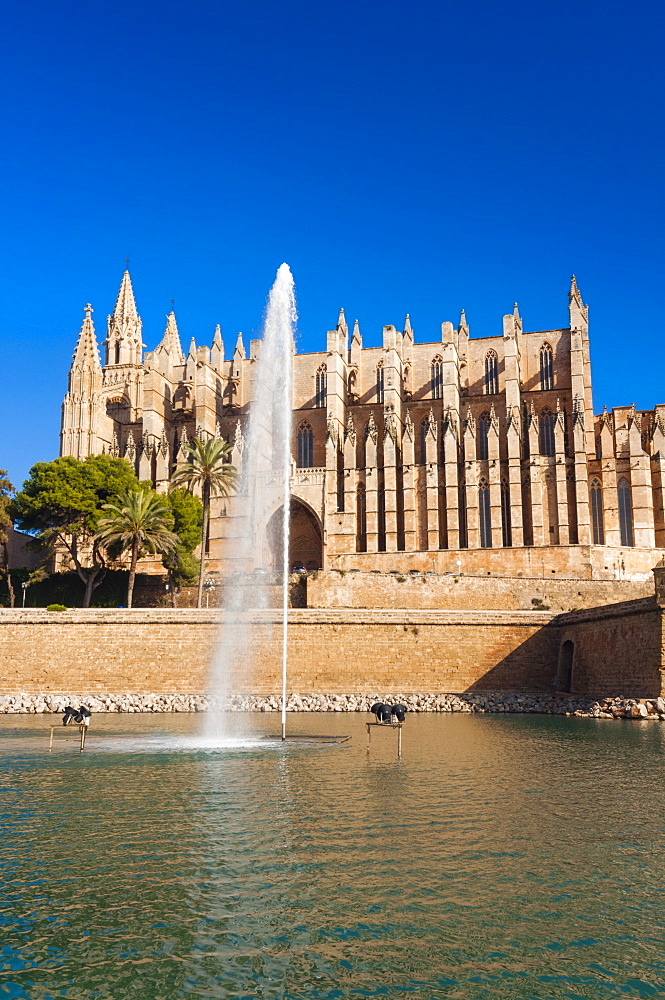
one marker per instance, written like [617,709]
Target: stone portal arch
[305,536]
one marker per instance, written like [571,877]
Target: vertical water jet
[259,554]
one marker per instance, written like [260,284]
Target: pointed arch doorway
[305,537]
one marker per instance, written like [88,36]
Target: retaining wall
[331,589]
[619,650]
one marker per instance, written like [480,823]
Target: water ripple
[503,857]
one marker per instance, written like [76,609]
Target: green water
[503,857]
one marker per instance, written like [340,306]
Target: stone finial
[371,430]
[332,430]
[390,426]
[238,439]
[240,347]
[350,432]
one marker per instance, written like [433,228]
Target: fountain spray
[261,548]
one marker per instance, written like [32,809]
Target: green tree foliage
[182,567]
[6,490]
[138,520]
[61,503]
[207,469]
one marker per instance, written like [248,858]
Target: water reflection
[503,857]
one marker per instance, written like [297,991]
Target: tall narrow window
[484,515]
[321,398]
[506,523]
[483,434]
[424,427]
[437,378]
[546,367]
[361,516]
[381,516]
[491,373]
[463,531]
[340,481]
[305,449]
[597,522]
[625,513]
[379,382]
[546,432]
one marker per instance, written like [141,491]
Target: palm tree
[137,520]
[207,468]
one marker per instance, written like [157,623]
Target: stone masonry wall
[331,589]
[618,650]
[578,562]
[334,651]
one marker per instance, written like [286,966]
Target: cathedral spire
[86,355]
[125,306]
[123,339]
[171,340]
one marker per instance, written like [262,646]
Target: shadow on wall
[612,652]
[609,652]
[529,668]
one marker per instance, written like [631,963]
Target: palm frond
[137,515]
[207,465]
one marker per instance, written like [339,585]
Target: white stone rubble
[573,705]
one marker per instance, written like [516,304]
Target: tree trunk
[89,580]
[132,572]
[10,585]
[204,536]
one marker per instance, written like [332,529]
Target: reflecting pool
[502,857]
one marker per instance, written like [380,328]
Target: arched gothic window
[483,432]
[379,382]
[424,427]
[437,378]
[305,455]
[506,523]
[546,367]
[321,387]
[625,512]
[547,420]
[484,515]
[361,518]
[597,521]
[491,373]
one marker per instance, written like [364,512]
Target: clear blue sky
[402,157]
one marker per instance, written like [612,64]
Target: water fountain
[260,550]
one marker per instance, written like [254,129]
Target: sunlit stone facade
[468,454]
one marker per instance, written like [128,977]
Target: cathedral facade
[479,455]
